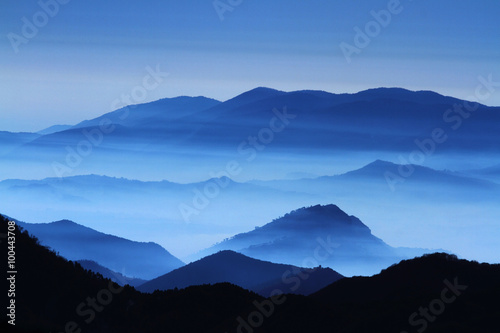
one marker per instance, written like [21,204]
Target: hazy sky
[84,55]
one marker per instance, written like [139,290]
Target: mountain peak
[264,90]
[220,180]
[329,210]
[255,94]
[65,222]
[379,164]
[315,218]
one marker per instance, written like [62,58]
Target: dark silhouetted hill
[52,292]
[461,296]
[436,293]
[259,276]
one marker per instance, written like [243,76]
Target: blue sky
[90,53]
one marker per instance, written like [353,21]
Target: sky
[63,61]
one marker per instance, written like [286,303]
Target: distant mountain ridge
[191,115]
[414,172]
[390,176]
[184,129]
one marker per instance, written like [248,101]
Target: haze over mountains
[307,237]
[196,131]
[198,170]
[381,175]
[405,210]
[318,235]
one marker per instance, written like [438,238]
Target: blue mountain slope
[76,242]
[419,174]
[155,113]
[252,274]
[54,129]
[383,177]
[109,274]
[317,235]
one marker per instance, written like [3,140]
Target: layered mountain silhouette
[317,235]
[414,203]
[52,292]
[165,208]
[394,173]
[10,141]
[77,242]
[380,192]
[188,139]
[437,293]
[375,119]
[389,175]
[259,276]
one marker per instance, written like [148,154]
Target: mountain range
[173,214]
[309,124]
[436,293]
[307,238]
[217,184]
